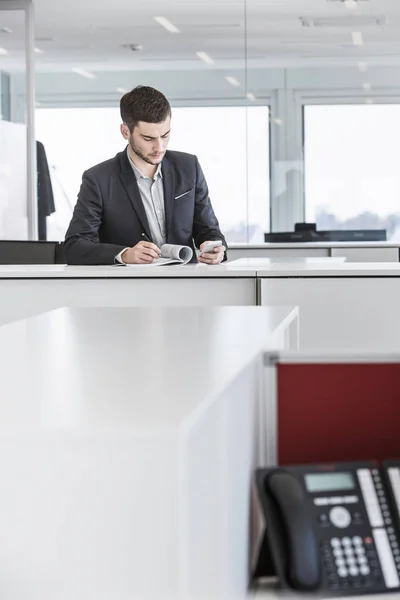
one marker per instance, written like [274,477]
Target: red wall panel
[338,412]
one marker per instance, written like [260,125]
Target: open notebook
[171,254]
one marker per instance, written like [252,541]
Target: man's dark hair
[146,104]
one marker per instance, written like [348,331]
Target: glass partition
[14,164]
[262,91]
[195,53]
[332,70]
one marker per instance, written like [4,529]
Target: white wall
[13,181]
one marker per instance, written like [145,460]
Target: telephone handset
[332,527]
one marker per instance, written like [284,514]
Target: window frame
[337,97]
[110,101]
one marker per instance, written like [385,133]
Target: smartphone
[209,247]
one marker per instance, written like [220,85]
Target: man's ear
[125,131]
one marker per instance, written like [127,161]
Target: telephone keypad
[350,562]
[346,541]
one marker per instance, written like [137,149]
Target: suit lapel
[129,182]
[168,175]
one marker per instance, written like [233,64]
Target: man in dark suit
[146,196]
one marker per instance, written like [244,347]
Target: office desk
[27,290]
[346,305]
[342,305]
[128,441]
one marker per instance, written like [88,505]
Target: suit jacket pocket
[183,194]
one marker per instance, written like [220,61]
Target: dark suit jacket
[109,215]
[44,190]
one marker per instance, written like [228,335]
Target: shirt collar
[138,172]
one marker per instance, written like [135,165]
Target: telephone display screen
[329,482]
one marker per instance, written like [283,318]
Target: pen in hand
[146,239]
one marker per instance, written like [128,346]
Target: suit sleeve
[205,223]
[82,246]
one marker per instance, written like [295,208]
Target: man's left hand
[215,257]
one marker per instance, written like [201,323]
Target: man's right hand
[142,254]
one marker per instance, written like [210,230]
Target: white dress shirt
[152,195]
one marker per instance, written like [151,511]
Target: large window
[232,144]
[352,173]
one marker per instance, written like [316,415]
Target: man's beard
[140,154]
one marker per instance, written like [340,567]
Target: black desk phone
[332,527]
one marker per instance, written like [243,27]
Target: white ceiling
[256,34]
[90,33]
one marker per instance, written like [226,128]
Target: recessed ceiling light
[3,50]
[232,80]
[38,51]
[357,38]
[166,24]
[363,67]
[251,96]
[367,86]
[84,73]
[122,90]
[206,57]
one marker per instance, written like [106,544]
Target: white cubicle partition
[340,305]
[128,441]
[32,289]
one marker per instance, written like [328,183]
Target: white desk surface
[329,269]
[242,268]
[119,271]
[258,262]
[139,370]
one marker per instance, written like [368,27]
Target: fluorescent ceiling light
[251,96]
[122,90]
[84,73]
[367,86]
[206,57]
[357,38]
[38,51]
[363,67]
[166,24]
[232,80]
[3,50]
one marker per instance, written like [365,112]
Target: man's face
[149,140]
